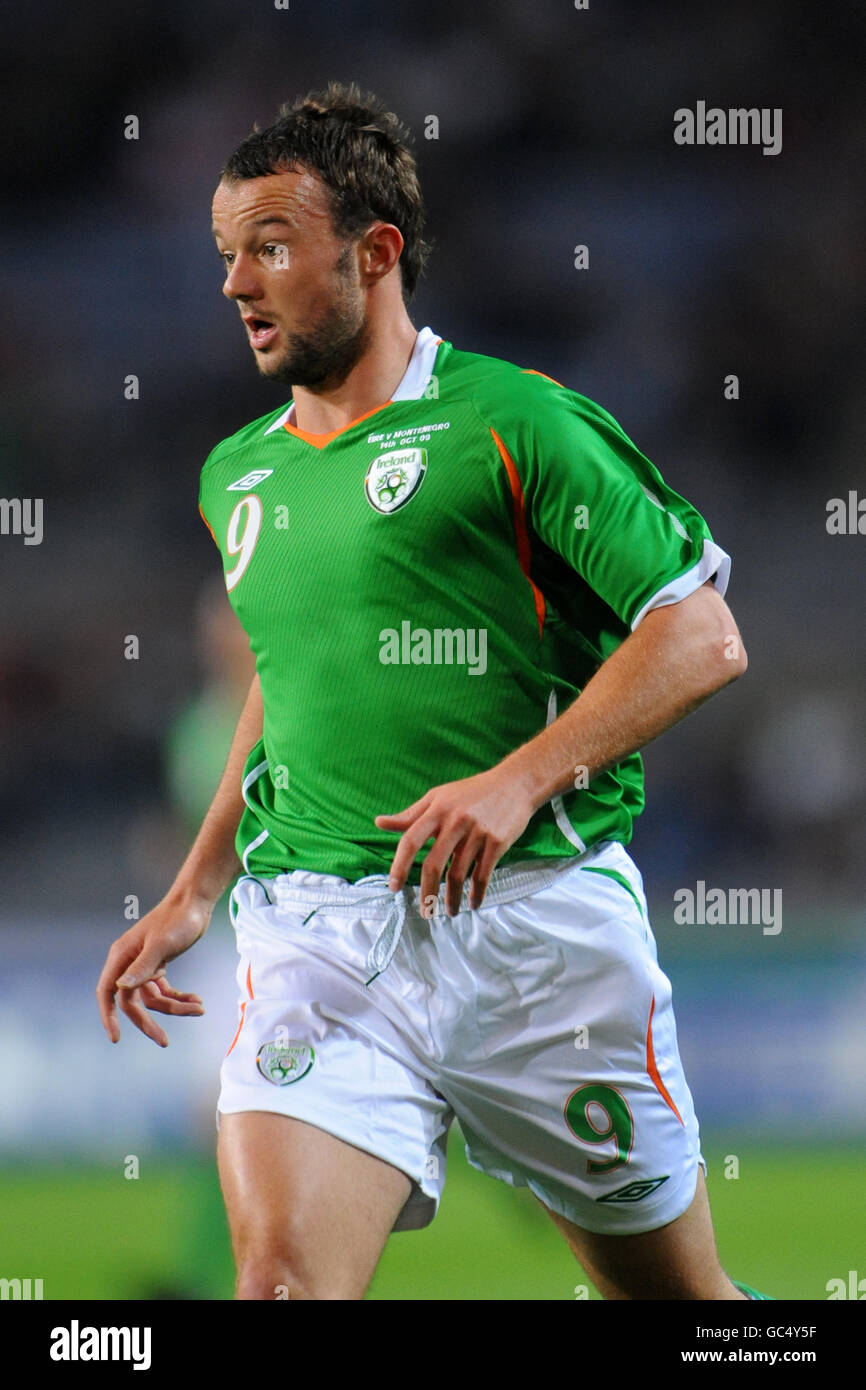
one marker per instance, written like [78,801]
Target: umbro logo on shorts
[284,1062]
[249,480]
[634,1191]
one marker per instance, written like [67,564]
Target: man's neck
[368,385]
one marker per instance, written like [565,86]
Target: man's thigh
[314,1049]
[309,1214]
[566,1077]
[678,1261]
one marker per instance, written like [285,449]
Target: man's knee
[277,1276]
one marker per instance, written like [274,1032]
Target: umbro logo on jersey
[393,478]
[249,480]
[634,1191]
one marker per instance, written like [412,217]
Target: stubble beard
[322,357]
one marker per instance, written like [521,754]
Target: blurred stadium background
[555,129]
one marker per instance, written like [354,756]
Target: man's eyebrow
[261,222]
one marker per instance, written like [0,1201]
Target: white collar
[413,384]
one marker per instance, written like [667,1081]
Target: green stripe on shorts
[621,880]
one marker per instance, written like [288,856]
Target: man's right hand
[134,973]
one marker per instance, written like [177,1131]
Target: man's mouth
[261,331]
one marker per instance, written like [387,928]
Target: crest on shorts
[393,478]
[284,1062]
[634,1191]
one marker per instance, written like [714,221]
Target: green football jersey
[427,588]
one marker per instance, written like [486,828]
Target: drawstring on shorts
[381,953]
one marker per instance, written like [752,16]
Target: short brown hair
[360,151]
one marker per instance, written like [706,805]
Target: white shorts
[542,1022]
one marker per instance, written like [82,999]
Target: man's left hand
[473,821]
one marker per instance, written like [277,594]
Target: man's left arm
[677,657]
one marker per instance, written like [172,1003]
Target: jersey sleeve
[592,496]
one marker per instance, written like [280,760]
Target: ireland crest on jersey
[284,1062]
[394,478]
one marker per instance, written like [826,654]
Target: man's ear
[381,247]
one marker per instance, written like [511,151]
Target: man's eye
[273,251]
[226,257]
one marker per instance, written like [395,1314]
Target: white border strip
[413,384]
[253,844]
[556,802]
[252,776]
[278,424]
[714,564]
[420,368]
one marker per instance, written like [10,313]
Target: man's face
[296,283]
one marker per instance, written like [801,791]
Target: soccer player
[471,600]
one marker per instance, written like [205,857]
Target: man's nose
[240,282]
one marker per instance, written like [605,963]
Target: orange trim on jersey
[653,1069]
[319,441]
[530,371]
[523,547]
[243,1007]
[208,525]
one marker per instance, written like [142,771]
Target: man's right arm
[134,970]
[212,862]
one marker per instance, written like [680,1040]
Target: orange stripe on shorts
[243,1006]
[653,1069]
